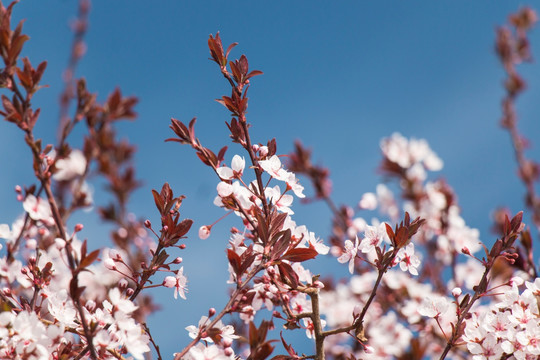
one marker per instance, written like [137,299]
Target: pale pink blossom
[281,201]
[235,171]
[368,201]
[38,208]
[204,232]
[433,306]
[178,282]
[70,167]
[408,261]
[349,253]
[274,168]
[373,236]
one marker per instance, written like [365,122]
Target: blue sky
[339,76]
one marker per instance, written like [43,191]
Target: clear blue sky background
[338,75]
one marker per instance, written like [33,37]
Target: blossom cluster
[422,283]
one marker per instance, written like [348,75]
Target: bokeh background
[339,76]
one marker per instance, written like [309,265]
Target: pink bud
[147,223]
[369,349]
[228,351]
[79,227]
[465,251]
[178,260]
[226,343]
[109,264]
[456,292]
[18,189]
[129,292]
[182,246]
[60,243]
[7,292]
[90,305]
[211,312]
[204,232]
[165,228]
[122,284]
[169,281]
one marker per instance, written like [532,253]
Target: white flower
[408,261]
[178,282]
[349,254]
[368,201]
[433,306]
[71,167]
[38,208]
[235,171]
[373,236]
[273,167]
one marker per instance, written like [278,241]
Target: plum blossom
[349,254]
[235,171]
[226,331]
[310,327]
[373,236]
[38,208]
[368,201]
[281,201]
[178,282]
[408,261]
[433,306]
[211,352]
[274,168]
[407,152]
[70,167]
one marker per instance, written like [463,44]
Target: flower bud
[122,284]
[226,343]
[129,292]
[147,224]
[211,312]
[178,260]
[169,281]
[78,227]
[109,264]
[228,351]
[456,292]
[204,232]
[90,305]
[60,243]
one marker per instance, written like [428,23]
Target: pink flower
[408,261]
[373,236]
[204,232]
[273,167]
[434,306]
[178,282]
[235,171]
[349,254]
[70,167]
[37,208]
[368,201]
